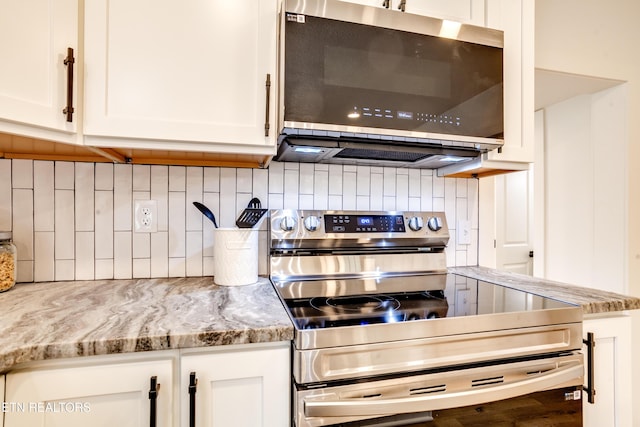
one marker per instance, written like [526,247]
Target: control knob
[416,223]
[434,223]
[288,223]
[311,223]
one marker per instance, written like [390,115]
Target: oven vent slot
[538,372]
[367,396]
[427,390]
[487,381]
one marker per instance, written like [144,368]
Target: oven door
[501,394]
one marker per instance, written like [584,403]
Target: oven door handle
[328,407]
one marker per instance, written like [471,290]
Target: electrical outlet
[145,216]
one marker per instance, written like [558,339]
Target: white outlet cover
[463,232]
[145,216]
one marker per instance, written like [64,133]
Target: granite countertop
[41,321]
[591,300]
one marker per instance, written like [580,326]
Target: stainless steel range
[385,336]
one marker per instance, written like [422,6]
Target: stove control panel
[363,223]
[291,228]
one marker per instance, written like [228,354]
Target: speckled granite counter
[41,321]
[591,300]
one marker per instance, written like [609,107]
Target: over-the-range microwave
[371,86]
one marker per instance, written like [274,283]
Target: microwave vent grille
[400,156]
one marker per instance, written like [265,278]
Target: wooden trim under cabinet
[20,147]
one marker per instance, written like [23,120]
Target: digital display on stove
[364,223]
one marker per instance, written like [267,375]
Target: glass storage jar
[8,261]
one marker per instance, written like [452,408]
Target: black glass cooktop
[319,304]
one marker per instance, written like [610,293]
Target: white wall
[73,221]
[597,38]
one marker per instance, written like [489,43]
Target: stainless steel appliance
[367,85]
[385,336]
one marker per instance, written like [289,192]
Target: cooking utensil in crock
[251,215]
[206,212]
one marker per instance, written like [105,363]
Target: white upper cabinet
[181,75]
[466,11]
[35,36]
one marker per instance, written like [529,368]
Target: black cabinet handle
[69,61]
[267,86]
[193,385]
[385,3]
[154,388]
[590,388]
[402,5]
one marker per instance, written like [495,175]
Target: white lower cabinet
[236,387]
[102,392]
[612,372]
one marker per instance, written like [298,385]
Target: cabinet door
[34,37]
[181,75]
[240,388]
[516,19]
[99,396]
[612,359]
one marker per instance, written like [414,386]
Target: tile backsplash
[74,221]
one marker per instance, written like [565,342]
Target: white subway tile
[450,200]
[24,271]
[426,192]
[349,168]
[64,225]
[414,203]
[160,193]
[276,178]
[122,259]
[104,176]
[5,194]
[211,177]
[363,181]
[377,169]
[228,204]
[84,185]
[438,186]
[104,269]
[177,178]
[141,268]
[177,228]
[141,178]
[104,226]
[377,185]
[122,198]
[389,184]
[212,201]
[414,182]
[321,167]
[402,192]
[305,201]
[44,262]
[194,194]
[461,258]
[292,166]
[43,196]
[335,202]
[160,254]
[141,245]
[472,249]
[177,267]
[276,201]
[65,269]
[461,187]
[321,188]
[362,203]
[349,185]
[207,266]
[291,191]
[65,175]
[22,173]
[473,202]
[335,180]
[306,178]
[85,260]
[23,223]
[389,203]
[194,254]
[438,204]
[244,179]
[461,209]
[260,185]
